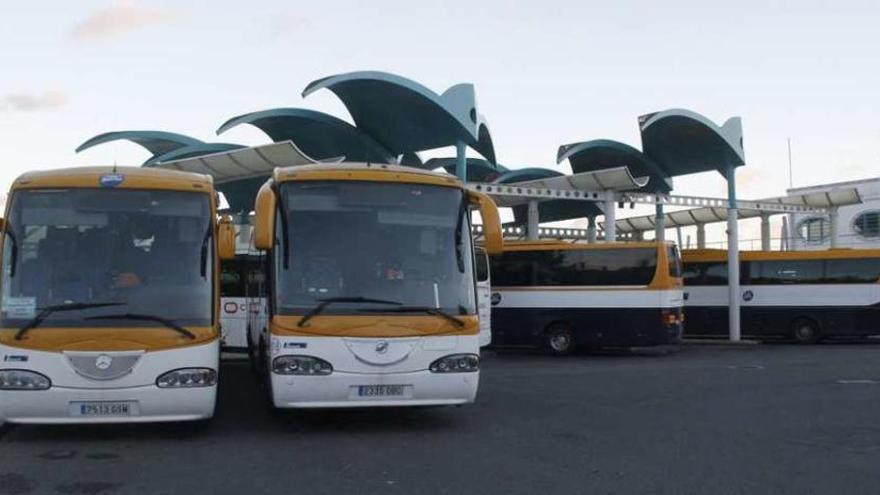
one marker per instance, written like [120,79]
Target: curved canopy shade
[405,116]
[602,154]
[318,134]
[191,151]
[548,211]
[156,142]
[478,170]
[683,142]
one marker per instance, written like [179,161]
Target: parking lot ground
[762,419]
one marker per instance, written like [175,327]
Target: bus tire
[805,331]
[559,339]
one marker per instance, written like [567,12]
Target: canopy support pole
[461,161]
[660,226]
[833,219]
[591,228]
[610,217]
[765,232]
[701,236]
[678,234]
[533,221]
[732,257]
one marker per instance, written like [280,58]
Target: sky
[546,73]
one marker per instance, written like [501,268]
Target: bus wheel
[805,331]
[559,339]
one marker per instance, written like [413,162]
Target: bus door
[484,296]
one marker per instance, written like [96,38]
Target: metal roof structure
[602,154]
[405,116]
[749,209]
[240,173]
[318,134]
[612,179]
[552,210]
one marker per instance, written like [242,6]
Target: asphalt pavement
[707,419]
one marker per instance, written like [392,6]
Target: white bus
[370,287]
[561,296]
[108,308]
[806,296]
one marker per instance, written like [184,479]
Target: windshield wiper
[142,317]
[419,309]
[48,310]
[330,300]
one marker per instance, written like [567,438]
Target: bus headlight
[301,365]
[456,363]
[23,380]
[188,378]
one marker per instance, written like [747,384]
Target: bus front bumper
[60,405]
[340,389]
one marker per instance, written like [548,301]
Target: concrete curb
[721,343]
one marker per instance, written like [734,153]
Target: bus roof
[132,178]
[377,172]
[548,245]
[710,255]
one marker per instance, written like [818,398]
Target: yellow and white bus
[109,300]
[370,287]
[802,295]
[562,296]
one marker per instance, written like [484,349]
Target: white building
[857,225]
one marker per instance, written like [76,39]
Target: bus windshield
[112,251]
[405,243]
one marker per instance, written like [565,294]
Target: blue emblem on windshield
[111,180]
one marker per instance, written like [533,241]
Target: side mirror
[225,238]
[264,218]
[494,239]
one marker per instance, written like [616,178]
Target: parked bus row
[802,295]
[110,293]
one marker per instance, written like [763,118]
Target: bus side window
[512,270]
[786,272]
[852,271]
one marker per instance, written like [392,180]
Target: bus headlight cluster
[456,363]
[188,378]
[23,380]
[301,365]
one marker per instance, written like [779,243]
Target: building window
[815,229]
[867,224]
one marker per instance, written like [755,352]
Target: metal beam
[506,191]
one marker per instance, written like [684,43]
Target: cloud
[29,102]
[118,19]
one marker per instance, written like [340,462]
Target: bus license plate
[380,390]
[102,408]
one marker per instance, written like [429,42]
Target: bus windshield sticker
[20,307]
[111,180]
[295,345]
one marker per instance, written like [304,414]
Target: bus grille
[103,365]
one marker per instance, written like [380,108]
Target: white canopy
[243,163]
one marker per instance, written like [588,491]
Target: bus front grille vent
[103,365]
